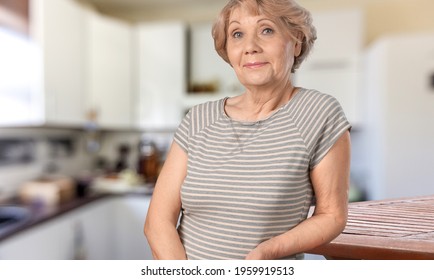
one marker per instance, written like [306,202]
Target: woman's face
[260,52]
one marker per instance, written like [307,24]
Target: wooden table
[385,230]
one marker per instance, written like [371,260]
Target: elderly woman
[242,172]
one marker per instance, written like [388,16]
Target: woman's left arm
[330,180]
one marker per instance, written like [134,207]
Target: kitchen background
[91,92]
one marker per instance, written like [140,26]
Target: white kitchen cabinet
[45,242]
[161,74]
[56,239]
[130,213]
[110,228]
[75,62]
[110,73]
[58,28]
[44,77]
[94,224]
[333,67]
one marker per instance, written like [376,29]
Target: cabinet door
[59,28]
[49,241]
[89,228]
[130,213]
[162,75]
[110,91]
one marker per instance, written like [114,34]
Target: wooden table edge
[349,246]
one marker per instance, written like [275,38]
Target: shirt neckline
[249,123]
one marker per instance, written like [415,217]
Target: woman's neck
[258,103]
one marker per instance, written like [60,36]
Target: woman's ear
[297,38]
[297,48]
[298,44]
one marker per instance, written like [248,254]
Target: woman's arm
[330,180]
[165,207]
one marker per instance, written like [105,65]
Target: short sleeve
[331,123]
[182,134]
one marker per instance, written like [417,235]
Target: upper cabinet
[161,74]
[58,27]
[43,79]
[334,67]
[110,73]
[73,64]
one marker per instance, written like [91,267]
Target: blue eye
[237,34]
[267,31]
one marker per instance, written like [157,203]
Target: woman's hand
[255,254]
[264,251]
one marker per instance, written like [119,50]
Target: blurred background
[91,92]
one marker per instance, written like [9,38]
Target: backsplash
[16,151]
[26,154]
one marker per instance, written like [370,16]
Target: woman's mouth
[254,65]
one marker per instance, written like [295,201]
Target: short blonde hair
[287,13]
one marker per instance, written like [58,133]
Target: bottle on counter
[149,160]
[122,161]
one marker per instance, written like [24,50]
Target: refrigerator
[398,116]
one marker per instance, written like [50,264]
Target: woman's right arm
[162,218]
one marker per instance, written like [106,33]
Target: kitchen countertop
[44,214]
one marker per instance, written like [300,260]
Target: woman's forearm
[164,242]
[311,233]
[164,210]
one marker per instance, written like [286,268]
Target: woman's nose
[252,45]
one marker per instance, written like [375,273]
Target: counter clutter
[53,190]
[125,182]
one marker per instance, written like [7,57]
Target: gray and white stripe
[249,181]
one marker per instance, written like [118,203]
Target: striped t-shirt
[247,182]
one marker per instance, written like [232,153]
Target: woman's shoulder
[311,104]
[209,105]
[206,113]
[312,96]
[308,101]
